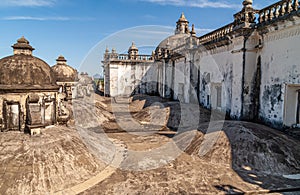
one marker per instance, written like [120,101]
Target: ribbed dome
[64,72]
[22,70]
[173,41]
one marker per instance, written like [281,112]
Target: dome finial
[182,18]
[132,47]
[247,3]
[22,47]
[61,60]
[182,15]
[193,32]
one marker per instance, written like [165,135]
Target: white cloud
[196,3]
[28,3]
[165,32]
[36,18]
[56,18]
[150,17]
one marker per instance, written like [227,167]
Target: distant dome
[133,47]
[64,72]
[173,41]
[22,70]
[85,79]
[181,34]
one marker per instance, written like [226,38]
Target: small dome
[22,70]
[133,47]
[19,70]
[85,79]
[63,72]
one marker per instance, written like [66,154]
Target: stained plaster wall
[128,78]
[280,69]
[259,81]
[181,83]
[258,71]
[106,72]
[250,76]
[21,99]
[221,67]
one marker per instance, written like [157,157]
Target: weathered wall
[248,69]
[280,68]
[21,98]
[128,78]
[221,67]
[181,81]
[106,73]
[259,73]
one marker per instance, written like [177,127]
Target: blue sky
[81,29]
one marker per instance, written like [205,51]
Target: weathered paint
[255,69]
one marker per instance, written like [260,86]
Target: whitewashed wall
[280,61]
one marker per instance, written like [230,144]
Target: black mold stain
[256,90]
[228,77]
[272,94]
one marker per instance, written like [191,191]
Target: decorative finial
[182,18]
[22,47]
[247,3]
[106,50]
[193,32]
[61,60]
[132,47]
[182,15]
